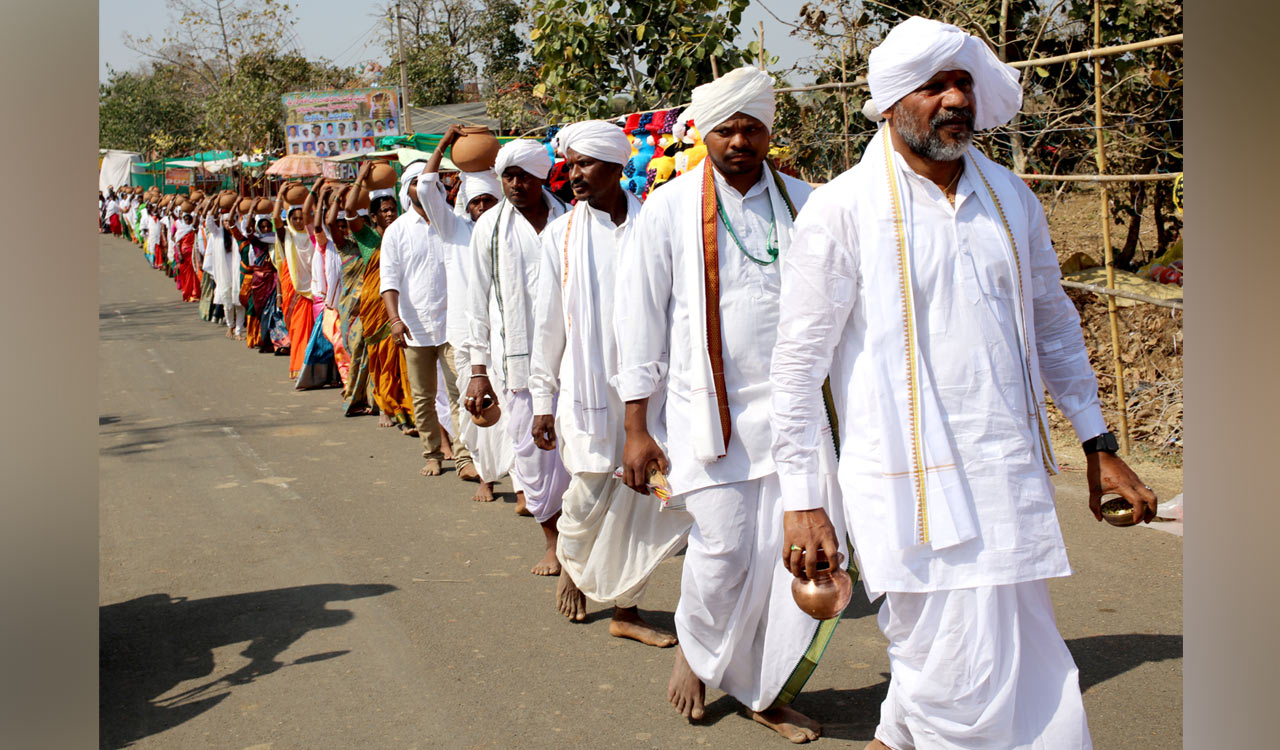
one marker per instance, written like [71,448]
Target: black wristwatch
[1106,442]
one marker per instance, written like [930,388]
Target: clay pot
[264,206]
[476,150]
[1118,512]
[226,201]
[196,195]
[381,176]
[187,207]
[295,194]
[827,594]
[245,206]
[489,414]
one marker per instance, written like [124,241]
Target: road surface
[273,575]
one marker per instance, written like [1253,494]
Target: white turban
[747,90]
[476,184]
[917,49]
[527,154]
[411,171]
[597,139]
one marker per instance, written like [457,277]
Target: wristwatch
[1106,442]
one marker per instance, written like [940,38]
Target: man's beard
[925,141]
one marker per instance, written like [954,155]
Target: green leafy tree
[149,111]
[439,47]
[654,53]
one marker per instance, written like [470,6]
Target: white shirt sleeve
[819,282]
[548,326]
[436,205]
[479,281]
[1060,349]
[642,303]
[391,270]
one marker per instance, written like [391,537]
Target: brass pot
[476,150]
[1118,512]
[827,594]
[489,414]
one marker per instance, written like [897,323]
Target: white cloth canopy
[748,90]
[918,48]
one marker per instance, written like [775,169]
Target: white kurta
[655,335]
[611,538]
[413,264]
[507,319]
[738,625]
[966,302]
[491,450]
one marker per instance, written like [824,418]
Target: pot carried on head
[476,150]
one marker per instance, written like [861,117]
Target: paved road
[276,576]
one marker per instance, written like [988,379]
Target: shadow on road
[1101,657]
[149,645]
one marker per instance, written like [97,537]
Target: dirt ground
[1150,336]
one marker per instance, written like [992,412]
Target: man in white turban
[490,449]
[504,259]
[923,281]
[414,287]
[695,317]
[610,539]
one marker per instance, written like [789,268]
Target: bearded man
[505,251]
[610,539]
[696,315]
[924,281]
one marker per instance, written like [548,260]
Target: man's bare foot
[230,334]
[432,468]
[789,723]
[626,623]
[877,745]
[484,493]
[520,509]
[570,602]
[408,430]
[549,565]
[685,691]
[467,473]
[384,420]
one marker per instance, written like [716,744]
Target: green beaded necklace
[771,245]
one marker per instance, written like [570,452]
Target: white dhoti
[612,538]
[738,625]
[490,447]
[540,474]
[979,669]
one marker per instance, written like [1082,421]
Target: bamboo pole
[1101,177]
[1105,210]
[1170,303]
[844,95]
[1088,54]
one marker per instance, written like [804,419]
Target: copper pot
[476,150]
[489,414]
[827,594]
[1118,512]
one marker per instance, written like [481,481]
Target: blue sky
[346,42]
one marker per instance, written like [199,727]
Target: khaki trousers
[421,361]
